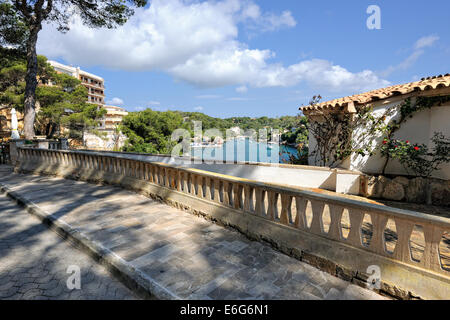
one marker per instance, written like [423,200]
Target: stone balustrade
[294,220]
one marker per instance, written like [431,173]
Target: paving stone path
[34,262]
[189,256]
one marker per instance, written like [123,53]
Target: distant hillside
[293,126]
[150,131]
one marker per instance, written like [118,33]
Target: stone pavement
[34,262]
[187,255]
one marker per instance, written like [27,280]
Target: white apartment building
[94,84]
[96,94]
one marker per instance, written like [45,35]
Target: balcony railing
[284,206]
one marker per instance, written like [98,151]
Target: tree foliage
[12,77]
[13,30]
[149,131]
[61,98]
[418,159]
[294,125]
[64,103]
[22,21]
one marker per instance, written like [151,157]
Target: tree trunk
[428,198]
[53,127]
[31,83]
[385,165]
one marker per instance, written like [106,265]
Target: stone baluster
[185,181]
[286,209]
[217,191]
[430,259]
[317,212]
[272,210]
[260,208]
[379,221]
[237,195]
[173,179]
[208,194]
[248,198]
[201,187]
[153,177]
[180,180]
[227,199]
[354,236]
[193,184]
[300,218]
[404,230]
[335,231]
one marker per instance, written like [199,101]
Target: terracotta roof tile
[430,83]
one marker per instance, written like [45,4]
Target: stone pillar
[13,152]
[64,143]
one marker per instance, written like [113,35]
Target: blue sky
[255,58]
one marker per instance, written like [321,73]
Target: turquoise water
[245,150]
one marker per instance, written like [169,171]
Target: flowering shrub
[417,157]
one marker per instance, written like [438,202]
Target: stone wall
[408,189]
[265,211]
[106,142]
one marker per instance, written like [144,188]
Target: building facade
[94,84]
[418,129]
[109,138]
[113,117]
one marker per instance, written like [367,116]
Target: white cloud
[238,99]
[115,101]
[249,67]
[154,103]
[208,96]
[256,20]
[418,51]
[199,108]
[427,41]
[197,42]
[242,89]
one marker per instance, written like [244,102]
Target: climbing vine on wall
[407,110]
[334,132]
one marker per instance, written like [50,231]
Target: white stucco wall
[418,129]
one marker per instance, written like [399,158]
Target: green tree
[30,14]
[13,31]
[12,77]
[62,98]
[150,131]
[64,103]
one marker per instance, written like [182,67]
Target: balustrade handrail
[280,188]
[265,199]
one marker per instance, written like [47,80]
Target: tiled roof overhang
[348,103]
